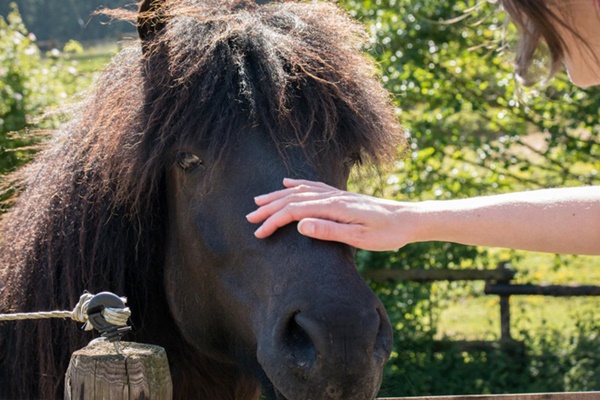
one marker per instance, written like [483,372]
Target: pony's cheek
[197,232]
[188,287]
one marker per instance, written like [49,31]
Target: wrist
[431,221]
[413,222]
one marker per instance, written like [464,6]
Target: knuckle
[324,230]
[289,211]
[356,234]
[339,199]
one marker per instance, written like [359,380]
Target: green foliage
[29,84]
[73,47]
[547,361]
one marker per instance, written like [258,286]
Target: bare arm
[552,220]
[563,220]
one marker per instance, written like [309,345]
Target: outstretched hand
[326,213]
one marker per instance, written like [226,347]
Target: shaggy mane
[91,212]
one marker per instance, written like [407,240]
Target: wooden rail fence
[497,282]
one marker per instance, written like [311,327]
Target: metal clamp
[110,332]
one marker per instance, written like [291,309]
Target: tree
[29,85]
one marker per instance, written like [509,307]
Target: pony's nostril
[334,392]
[383,341]
[300,350]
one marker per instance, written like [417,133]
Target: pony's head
[237,97]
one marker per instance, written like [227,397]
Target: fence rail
[508,289]
[500,274]
[536,396]
[497,282]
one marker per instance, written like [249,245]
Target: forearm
[552,220]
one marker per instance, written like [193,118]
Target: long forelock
[295,70]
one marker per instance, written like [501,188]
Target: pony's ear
[149,19]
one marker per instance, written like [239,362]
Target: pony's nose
[346,340]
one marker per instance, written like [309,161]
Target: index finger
[301,187]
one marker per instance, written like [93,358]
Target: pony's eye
[188,161]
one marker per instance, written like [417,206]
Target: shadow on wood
[97,372]
[539,396]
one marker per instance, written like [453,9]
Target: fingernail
[258,232]
[306,228]
[258,198]
[248,216]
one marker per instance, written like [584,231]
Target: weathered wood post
[504,306]
[140,372]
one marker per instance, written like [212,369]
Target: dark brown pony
[145,190]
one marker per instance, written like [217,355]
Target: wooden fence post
[504,305]
[97,372]
[505,318]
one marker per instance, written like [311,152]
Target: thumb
[326,230]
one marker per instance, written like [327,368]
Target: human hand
[326,213]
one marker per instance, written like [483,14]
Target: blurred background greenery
[472,131]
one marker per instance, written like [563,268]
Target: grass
[94,58]
[476,316]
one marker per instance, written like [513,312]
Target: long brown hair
[538,25]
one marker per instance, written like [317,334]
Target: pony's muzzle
[334,352]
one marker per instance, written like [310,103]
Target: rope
[114,316]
